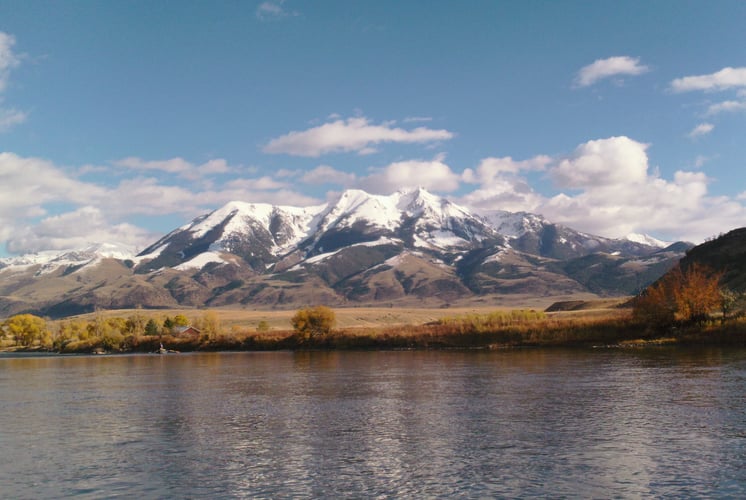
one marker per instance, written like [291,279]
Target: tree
[210,324]
[690,295]
[730,303]
[151,328]
[136,324]
[26,328]
[655,306]
[313,321]
[262,326]
[180,320]
[696,292]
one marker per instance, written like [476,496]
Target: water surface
[591,423]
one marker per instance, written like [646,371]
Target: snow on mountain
[51,260]
[354,206]
[261,235]
[201,261]
[514,224]
[646,240]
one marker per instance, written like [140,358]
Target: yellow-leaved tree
[26,328]
[313,321]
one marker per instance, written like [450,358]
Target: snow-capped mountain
[50,260]
[357,248]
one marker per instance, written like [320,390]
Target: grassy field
[372,317]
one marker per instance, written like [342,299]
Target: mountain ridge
[359,248]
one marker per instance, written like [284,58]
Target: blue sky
[122,120]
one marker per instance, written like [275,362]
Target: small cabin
[186,331]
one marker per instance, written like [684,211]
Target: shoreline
[710,336]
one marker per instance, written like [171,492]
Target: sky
[120,121]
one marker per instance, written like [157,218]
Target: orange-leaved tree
[698,292]
[689,294]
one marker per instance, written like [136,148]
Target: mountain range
[408,248]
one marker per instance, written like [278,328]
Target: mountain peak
[646,239]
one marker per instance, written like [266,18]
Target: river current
[598,423]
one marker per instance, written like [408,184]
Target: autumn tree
[26,328]
[180,320]
[689,294]
[697,292]
[209,324]
[313,321]
[135,325]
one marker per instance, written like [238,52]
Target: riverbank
[470,332]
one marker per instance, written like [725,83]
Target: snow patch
[201,261]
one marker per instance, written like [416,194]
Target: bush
[313,321]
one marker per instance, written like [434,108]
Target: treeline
[685,306]
[110,333]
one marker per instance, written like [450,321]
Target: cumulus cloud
[726,78]
[607,188]
[43,206]
[433,175]
[29,183]
[701,129]
[609,67]
[351,135]
[77,229]
[603,162]
[726,107]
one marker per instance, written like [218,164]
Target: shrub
[313,321]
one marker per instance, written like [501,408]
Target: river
[596,423]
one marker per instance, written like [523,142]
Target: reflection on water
[601,423]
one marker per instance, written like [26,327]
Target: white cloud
[76,213]
[260,184]
[490,168]
[354,134]
[432,175]
[609,67]
[324,174]
[726,107]
[726,78]
[76,229]
[177,166]
[8,60]
[29,183]
[612,192]
[10,118]
[603,162]
[273,10]
[701,129]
